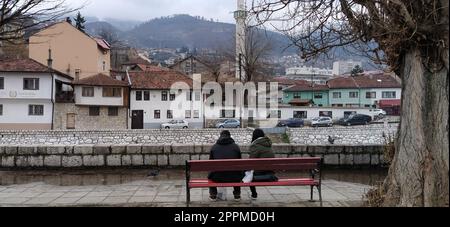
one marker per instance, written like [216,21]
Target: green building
[306,95]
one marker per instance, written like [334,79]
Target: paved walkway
[171,193]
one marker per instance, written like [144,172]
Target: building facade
[317,95]
[345,67]
[101,102]
[74,52]
[310,74]
[154,101]
[29,92]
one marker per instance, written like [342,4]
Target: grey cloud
[143,10]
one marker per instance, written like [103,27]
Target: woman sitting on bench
[261,148]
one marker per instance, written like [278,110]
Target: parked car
[175,124]
[322,121]
[229,123]
[378,113]
[292,123]
[357,119]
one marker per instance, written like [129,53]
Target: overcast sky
[143,10]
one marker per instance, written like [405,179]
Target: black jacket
[226,148]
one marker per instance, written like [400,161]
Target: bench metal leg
[312,194]
[188,196]
[320,195]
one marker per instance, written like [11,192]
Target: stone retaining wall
[156,136]
[357,135]
[80,156]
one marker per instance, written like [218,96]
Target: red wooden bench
[312,165]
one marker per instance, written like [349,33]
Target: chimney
[50,60]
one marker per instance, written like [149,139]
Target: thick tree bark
[419,175]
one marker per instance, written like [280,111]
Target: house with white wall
[101,102]
[153,100]
[28,94]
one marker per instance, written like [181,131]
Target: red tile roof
[151,68]
[308,87]
[101,80]
[342,83]
[156,80]
[22,65]
[381,80]
[26,65]
[377,81]
[102,43]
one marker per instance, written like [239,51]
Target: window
[94,111]
[172,97]
[1,109]
[113,111]
[77,73]
[196,114]
[297,95]
[146,95]
[389,94]
[318,96]
[337,95]
[31,84]
[300,114]
[36,110]
[2,83]
[138,95]
[197,96]
[347,114]
[371,95]
[164,96]
[104,66]
[188,114]
[112,92]
[189,96]
[274,114]
[228,114]
[326,114]
[88,91]
[169,114]
[353,95]
[157,114]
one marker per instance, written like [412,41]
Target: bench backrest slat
[255,164]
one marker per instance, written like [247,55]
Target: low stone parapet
[146,155]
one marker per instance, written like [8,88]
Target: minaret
[240,15]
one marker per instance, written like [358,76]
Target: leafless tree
[19,16]
[412,38]
[257,50]
[110,37]
[214,63]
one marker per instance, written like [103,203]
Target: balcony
[65,97]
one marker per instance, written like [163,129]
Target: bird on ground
[154,173]
[331,140]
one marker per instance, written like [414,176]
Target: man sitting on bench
[225,148]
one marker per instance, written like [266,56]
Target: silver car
[175,124]
[322,121]
[229,123]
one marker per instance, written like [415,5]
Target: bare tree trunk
[419,175]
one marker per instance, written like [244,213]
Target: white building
[28,93]
[345,67]
[153,101]
[310,74]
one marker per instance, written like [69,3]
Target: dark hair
[225,133]
[258,133]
